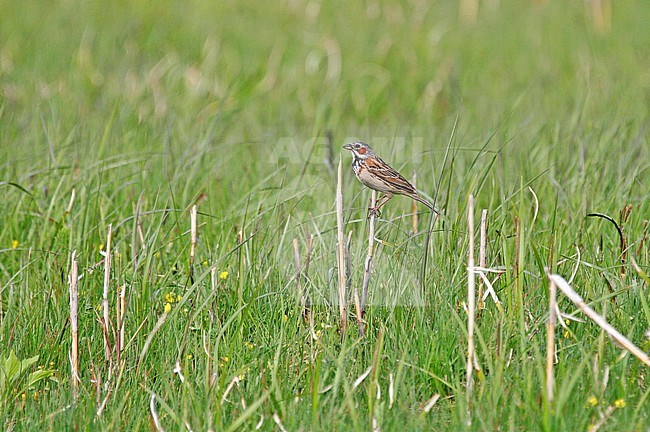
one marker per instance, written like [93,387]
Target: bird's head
[359,150]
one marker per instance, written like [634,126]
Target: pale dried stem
[151,335]
[193,236]
[414,207]
[471,296]
[624,342]
[367,267]
[482,256]
[550,340]
[74,303]
[107,278]
[341,247]
[154,414]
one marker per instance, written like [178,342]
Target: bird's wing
[377,167]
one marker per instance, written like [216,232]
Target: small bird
[373,172]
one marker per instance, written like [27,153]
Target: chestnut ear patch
[362,150]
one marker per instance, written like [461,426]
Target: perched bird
[373,172]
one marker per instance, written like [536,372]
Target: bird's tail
[426,203]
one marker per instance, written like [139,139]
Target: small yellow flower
[250,345]
[619,403]
[51,364]
[101,247]
[225,359]
[14,244]
[36,395]
[593,401]
[189,356]
[170,297]
[566,334]
[168,308]
[179,297]
[285,317]
[23,396]
[223,275]
[204,263]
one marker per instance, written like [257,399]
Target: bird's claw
[373,211]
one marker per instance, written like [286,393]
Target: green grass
[142,109]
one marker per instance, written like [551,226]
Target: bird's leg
[383,200]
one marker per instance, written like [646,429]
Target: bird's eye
[357,146]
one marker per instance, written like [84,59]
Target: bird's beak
[348,147]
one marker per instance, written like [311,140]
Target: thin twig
[624,342]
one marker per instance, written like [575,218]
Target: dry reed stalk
[624,342]
[107,279]
[74,303]
[193,236]
[121,311]
[550,340]
[151,335]
[471,296]
[341,247]
[367,267]
[157,426]
[414,207]
[482,256]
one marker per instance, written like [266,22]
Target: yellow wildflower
[223,275]
[14,244]
[593,401]
[619,403]
[168,308]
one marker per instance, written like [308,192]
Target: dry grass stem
[414,207]
[550,340]
[367,267]
[151,335]
[471,296]
[624,342]
[482,257]
[74,303]
[107,278]
[154,414]
[341,248]
[193,236]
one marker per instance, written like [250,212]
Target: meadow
[122,117]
